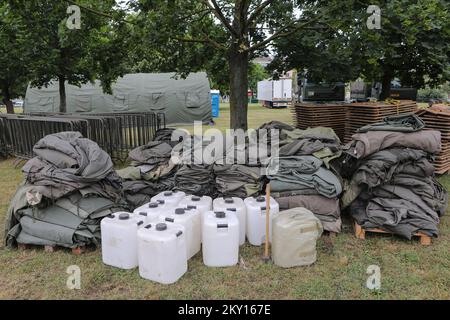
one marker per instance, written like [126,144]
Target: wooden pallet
[310,115]
[75,251]
[360,233]
[362,114]
[442,170]
[440,121]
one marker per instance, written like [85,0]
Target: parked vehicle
[275,93]
[323,91]
[362,91]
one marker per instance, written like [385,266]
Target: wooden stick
[266,249]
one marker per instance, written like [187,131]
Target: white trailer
[275,93]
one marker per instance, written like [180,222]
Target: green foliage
[326,57]
[14,54]
[218,72]
[413,44]
[323,49]
[428,94]
[78,56]
[218,36]
[256,73]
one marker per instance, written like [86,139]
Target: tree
[256,73]
[147,55]
[218,72]
[14,57]
[323,55]
[190,32]
[412,45]
[77,56]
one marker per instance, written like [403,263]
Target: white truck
[275,93]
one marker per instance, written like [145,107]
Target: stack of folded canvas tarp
[240,173]
[320,142]
[167,135]
[236,180]
[301,176]
[195,175]
[283,128]
[69,187]
[151,172]
[392,184]
[196,179]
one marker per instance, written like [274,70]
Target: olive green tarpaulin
[68,188]
[181,100]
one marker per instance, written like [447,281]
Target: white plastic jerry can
[169,198]
[237,206]
[197,221]
[256,219]
[220,239]
[162,252]
[151,211]
[202,204]
[119,240]
[190,220]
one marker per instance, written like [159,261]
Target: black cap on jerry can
[180,211]
[161,227]
[124,216]
[220,214]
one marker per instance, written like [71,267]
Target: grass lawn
[16,110]
[257,115]
[408,270]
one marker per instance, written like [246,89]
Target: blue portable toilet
[215,99]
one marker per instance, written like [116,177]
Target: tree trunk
[7,101]
[238,88]
[386,85]
[62,94]
[9,106]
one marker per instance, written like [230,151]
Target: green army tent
[181,100]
